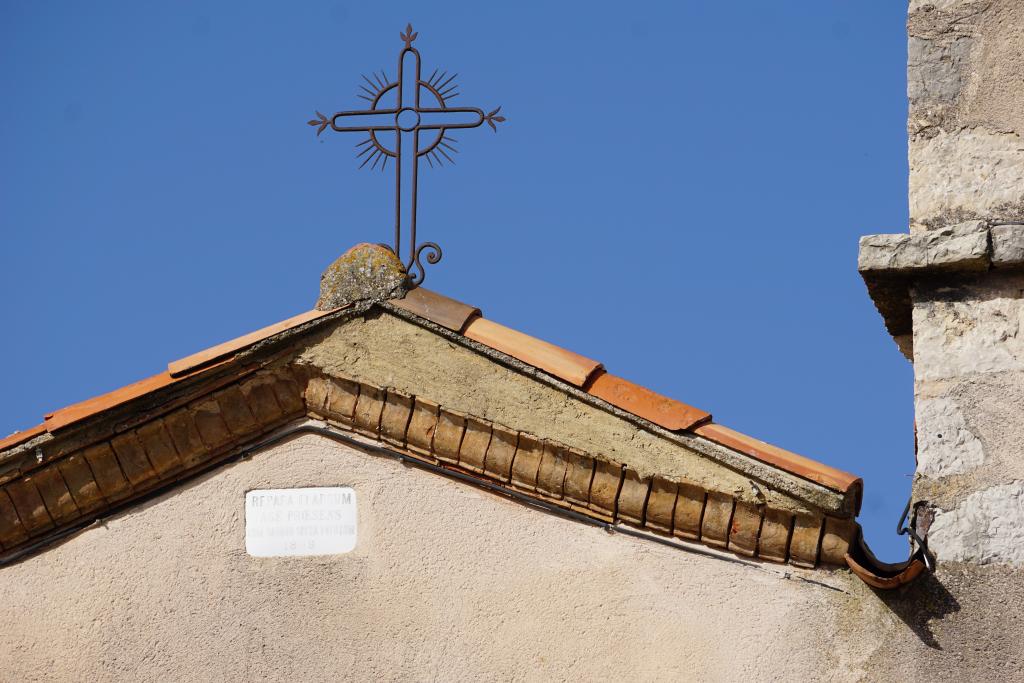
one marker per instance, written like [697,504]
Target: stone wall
[969,393]
[966,88]
[965,73]
[952,295]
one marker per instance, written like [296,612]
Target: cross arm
[356,121]
[433,118]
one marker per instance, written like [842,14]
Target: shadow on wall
[920,604]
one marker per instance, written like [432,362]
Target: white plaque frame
[300,522]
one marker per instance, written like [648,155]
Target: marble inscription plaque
[300,522]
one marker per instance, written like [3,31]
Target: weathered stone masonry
[964,74]
[952,292]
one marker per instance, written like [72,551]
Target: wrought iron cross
[406,120]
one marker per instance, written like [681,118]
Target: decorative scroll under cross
[406,120]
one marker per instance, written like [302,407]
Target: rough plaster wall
[965,73]
[388,351]
[448,582]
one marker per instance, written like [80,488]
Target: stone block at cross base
[366,272]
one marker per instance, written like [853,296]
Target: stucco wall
[447,582]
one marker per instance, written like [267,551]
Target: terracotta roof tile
[79,411]
[882,575]
[643,402]
[457,316]
[565,365]
[439,309]
[773,455]
[22,436]
[911,572]
[175,372]
[197,360]
[571,367]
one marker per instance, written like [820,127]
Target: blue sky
[677,192]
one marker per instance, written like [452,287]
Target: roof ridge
[591,376]
[584,373]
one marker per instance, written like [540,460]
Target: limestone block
[1007,245]
[945,444]
[987,527]
[957,247]
[882,253]
[970,329]
[934,68]
[970,173]
[916,5]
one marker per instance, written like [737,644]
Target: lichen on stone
[366,272]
